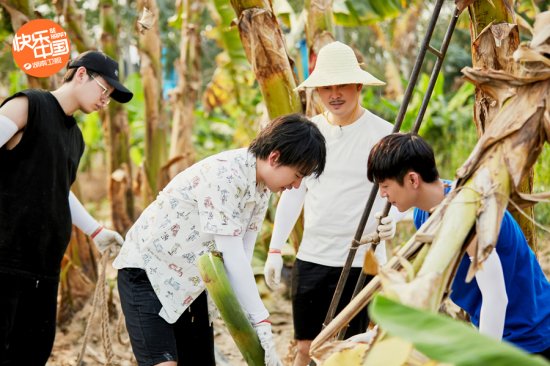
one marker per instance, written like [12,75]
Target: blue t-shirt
[527,322]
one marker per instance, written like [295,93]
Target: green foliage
[542,184]
[17,81]
[444,339]
[354,13]
[136,118]
[283,11]
[528,9]
[90,125]
[231,123]
[213,132]
[7,64]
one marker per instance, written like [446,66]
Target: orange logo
[41,48]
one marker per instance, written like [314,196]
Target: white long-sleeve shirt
[334,202]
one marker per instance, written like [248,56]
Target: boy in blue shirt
[509,297]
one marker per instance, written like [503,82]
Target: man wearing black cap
[40,149]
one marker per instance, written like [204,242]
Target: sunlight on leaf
[444,339]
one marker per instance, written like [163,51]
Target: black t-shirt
[35,178]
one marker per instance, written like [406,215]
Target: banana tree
[496,53]
[265,49]
[75,24]
[231,88]
[185,95]
[149,46]
[116,131]
[319,32]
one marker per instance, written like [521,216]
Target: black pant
[27,320]
[313,286]
[190,340]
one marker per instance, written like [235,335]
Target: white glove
[369,238]
[263,329]
[366,337]
[105,239]
[272,270]
[386,226]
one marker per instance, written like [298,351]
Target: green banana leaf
[351,13]
[446,340]
[283,11]
[228,34]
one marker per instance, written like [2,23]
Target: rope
[493,190]
[105,331]
[99,299]
[120,328]
[528,217]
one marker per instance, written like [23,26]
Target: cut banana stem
[213,274]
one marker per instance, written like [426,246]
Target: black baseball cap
[105,66]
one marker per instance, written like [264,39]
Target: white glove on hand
[366,337]
[386,226]
[105,239]
[263,329]
[272,270]
[369,238]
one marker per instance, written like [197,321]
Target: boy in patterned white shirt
[218,203]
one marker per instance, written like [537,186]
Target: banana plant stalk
[495,52]
[265,49]
[213,274]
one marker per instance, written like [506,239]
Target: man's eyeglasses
[105,93]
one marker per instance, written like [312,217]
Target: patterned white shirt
[216,196]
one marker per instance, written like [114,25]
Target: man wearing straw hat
[333,203]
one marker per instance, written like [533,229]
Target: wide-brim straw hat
[336,65]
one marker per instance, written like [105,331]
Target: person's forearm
[288,210]
[490,280]
[249,241]
[80,217]
[241,277]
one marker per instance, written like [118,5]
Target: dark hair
[69,75]
[399,153]
[298,141]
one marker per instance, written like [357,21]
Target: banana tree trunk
[75,24]
[404,41]
[495,37]
[219,288]
[265,49]
[319,32]
[78,272]
[149,46]
[78,276]
[186,93]
[116,130]
[393,89]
